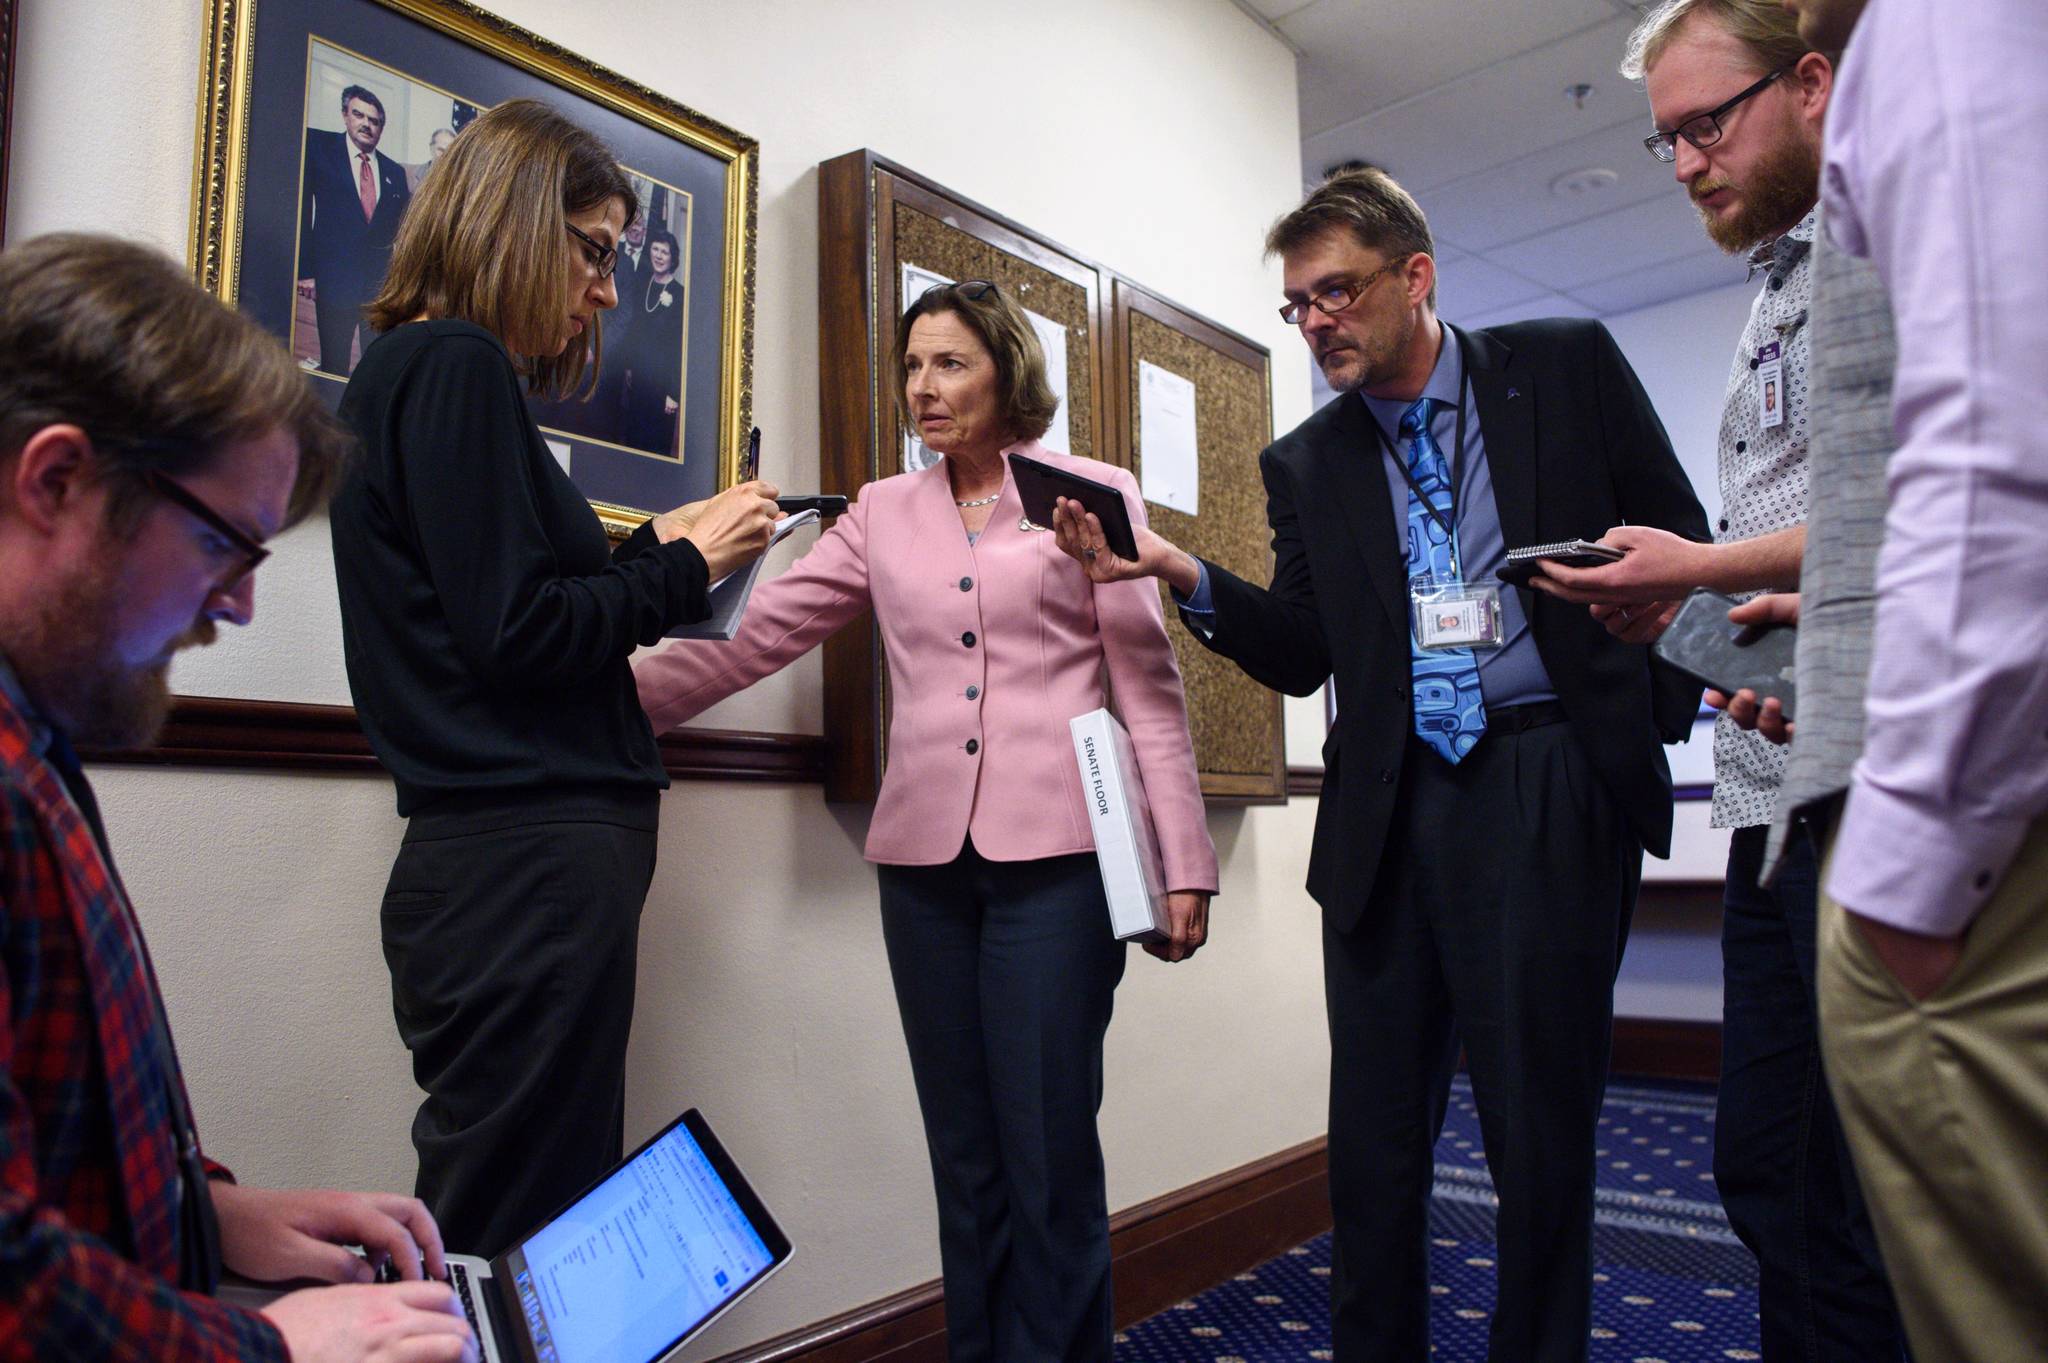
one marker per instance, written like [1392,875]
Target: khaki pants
[1945,1105]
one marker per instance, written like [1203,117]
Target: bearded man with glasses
[1739,98]
[1485,804]
[151,440]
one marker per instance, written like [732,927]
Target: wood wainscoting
[1162,1251]
[205,731]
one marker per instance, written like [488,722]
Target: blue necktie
[1450,713]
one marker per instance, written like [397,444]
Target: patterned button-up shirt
[1763,486]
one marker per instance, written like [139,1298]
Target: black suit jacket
[1574,447]
[341,252]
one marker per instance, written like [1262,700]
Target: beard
[1370,361]
[1780,190]
[70,662]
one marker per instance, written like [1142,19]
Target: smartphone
[825,504]
[1040,486]
[1703,643]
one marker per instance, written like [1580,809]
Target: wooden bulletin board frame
[1240,741]
[862,198]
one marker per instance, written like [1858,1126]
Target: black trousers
[1005,973]
[337,314]
[1498,918]
[1780,1162]
[511,938]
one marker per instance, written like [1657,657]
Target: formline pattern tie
[366,188]
[1450,712]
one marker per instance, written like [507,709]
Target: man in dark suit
[349,206]
[1495,770]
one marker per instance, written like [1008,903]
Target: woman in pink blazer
[992,906]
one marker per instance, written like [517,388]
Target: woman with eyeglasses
[993,913]
[486,624]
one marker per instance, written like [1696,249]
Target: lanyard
[1457,455]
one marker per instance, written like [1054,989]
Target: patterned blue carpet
[1671,1284]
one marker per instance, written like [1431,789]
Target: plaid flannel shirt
[88,1156]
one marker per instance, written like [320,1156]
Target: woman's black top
[486,622]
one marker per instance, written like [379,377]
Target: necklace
[648,297]
[980,501]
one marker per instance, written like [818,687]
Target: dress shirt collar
[1783,253]
[1445,385]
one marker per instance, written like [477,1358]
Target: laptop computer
[635,1265]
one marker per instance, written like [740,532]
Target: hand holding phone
[1703,642]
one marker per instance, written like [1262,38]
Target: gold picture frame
[255,99]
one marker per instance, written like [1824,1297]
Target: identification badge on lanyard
[1770,386]
[1450,614]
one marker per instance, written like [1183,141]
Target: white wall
[1682,350]
[764,994]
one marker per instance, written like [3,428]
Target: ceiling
[1466,103]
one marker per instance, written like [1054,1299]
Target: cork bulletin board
[878,221]
[1240,746]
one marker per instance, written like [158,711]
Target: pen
[750,467]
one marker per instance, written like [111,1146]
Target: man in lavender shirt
[1934,930]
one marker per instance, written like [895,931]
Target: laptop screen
[643,1258]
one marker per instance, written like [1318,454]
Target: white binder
[1126,849]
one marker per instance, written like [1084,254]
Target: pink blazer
[995,644]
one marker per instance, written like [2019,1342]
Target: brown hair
[1765,27]
[486,240]
[1023,395]
[1368,203]
[117,339]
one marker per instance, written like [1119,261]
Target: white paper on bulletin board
[1169,465]
[1052,338]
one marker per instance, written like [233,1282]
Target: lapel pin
[1514,393]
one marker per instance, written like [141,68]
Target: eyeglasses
[237,542]
[973,290]
[1702,130]
[607,258]
[1338,296]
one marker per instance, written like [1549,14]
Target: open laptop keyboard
[459,1276]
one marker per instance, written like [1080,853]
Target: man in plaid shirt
[150,441]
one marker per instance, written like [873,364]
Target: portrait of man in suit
[350,202]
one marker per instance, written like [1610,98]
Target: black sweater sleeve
[484,501]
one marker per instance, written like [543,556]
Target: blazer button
[1754,363]
[968,638]
[973,693]
[973,746]
[1386,776]
[966,584]
[1741,446]
[1400,693]
[1723,523]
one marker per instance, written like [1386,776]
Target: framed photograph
[320,117]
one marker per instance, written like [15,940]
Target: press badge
[1770,386]
[1455,614]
